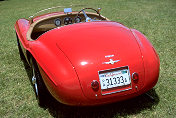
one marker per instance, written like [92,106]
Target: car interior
[58,19]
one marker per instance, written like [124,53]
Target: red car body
[71,57]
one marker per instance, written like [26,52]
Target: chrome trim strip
[117,91]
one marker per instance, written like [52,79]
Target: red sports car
[82,58]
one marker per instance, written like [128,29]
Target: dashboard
[66,21]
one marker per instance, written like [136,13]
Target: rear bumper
[108,98]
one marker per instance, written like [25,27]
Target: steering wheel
[88,19]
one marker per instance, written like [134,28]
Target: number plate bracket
[115,80]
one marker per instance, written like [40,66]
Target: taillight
[95,85]
[135,76]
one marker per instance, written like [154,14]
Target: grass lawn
[155,18]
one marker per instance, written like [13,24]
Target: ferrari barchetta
[82,58]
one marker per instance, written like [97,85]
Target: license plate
[114,78]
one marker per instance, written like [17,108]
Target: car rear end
[107,60]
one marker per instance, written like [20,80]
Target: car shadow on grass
[119,109]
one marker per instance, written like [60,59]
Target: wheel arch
[29,55]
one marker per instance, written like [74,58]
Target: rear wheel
[38,84]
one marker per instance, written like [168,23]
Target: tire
[22,57]
[39,87]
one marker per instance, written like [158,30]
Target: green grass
[155,18]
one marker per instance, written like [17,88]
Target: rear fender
[21,28]
[150,58]
[58,73]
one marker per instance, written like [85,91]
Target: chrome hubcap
[34,82]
